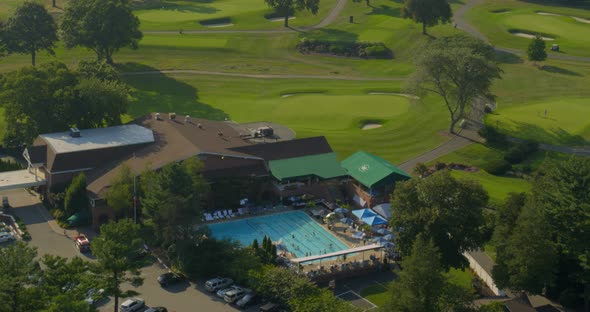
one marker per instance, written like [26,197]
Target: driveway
[29,208]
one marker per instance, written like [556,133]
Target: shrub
[420,169]
[493,136]
[515,155]
[379,51]
[496,167]
[440,165]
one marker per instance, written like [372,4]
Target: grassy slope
[571,35]
[246,99]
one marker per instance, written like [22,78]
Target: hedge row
[376,50]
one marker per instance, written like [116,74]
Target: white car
[221,293]
[218,283]
[93,296]
[132,305]
[6,237]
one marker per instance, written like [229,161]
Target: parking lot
[50,239]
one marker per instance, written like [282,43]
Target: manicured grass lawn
[377,294]
[244,14]
[496,19]
[336,113]
[563,123]
[460,277]
[497,187]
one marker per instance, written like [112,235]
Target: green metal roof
[371,170]
[325,166]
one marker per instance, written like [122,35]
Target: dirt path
[459,19]
[329,19]
[259,76]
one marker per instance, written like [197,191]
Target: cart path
[259,76]
[329,19]
[459,19]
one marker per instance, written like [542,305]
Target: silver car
[132,305]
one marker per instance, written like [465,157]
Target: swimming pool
[300,234]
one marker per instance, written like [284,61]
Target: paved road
[259,76]
[329,19]
[30,209]
[459,19]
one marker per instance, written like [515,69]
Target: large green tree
[536,50]
[422,285]
[103,26]
[443,209]
[76,198]
[527,259]
[459,69]
[427,12]
[114,249]
[120,193]
[51,98]
[31,29]
[173,199]
[287,7]
[18,270]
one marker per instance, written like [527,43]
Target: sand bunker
[410,96]
[582,20]
[548,14]
[219,25]
[278,19]
[286,95]
[369,126]
[519,34]
[579,19]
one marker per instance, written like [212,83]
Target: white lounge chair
[231,213]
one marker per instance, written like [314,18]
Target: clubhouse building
[266,157]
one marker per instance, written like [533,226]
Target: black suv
[169,279]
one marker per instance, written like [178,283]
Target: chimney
[172,116]
[187,119]
[158,116]
[74,132]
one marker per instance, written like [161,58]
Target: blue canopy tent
[379,240]
[374,220]
[364,213]
[346,220]
[389,237]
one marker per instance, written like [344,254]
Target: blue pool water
[297,230]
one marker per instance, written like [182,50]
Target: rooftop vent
[200,126]
[74,132]
[172,116]
[158,116]
[187,119]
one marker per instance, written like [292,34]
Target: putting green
[497,19]
[497,187]
[564,123]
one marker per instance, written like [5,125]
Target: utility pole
[134,199]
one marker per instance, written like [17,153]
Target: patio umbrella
[346,220]
[388,245]
[383,231]
[374,220]
[379,240]
[341,210]
[363,213]
[388,237]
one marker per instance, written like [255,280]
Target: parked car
[93,296]
[218,283]
[6,237]
[247,300]
[5,203]
[169,278]
[221,293]
[156,309]
[269,307]
[82,243]
[132,305]
[236,294]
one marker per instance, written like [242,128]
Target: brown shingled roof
[287,149]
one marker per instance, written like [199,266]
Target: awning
[21,178]
[337,253]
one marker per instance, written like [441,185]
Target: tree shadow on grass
[557,136]
[508,58]
[559,70]
[157,92]
[386,10]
